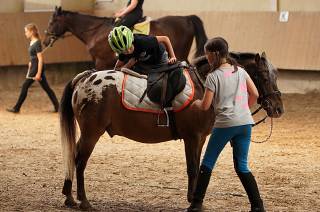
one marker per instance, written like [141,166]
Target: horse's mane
[109,19]
[242,55]
[199,61]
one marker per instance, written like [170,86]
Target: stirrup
[166,109]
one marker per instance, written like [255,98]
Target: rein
[195,70]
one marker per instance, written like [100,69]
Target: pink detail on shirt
[245,105]
[227,74]
[239,98]
[243,87]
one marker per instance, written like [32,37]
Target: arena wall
[48,5]
[12,77]
[11,6]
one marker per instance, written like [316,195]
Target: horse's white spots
[92,88]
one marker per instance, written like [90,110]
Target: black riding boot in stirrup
[200,191]
[250,185]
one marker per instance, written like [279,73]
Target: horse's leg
[193,147]
[67,191]
[85,147]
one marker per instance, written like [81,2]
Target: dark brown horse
[93,100]
[93,32]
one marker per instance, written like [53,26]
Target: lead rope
[263,120]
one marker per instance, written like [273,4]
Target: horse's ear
[257,58]
[263,55]
[59,10]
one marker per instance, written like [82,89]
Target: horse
[93,100]
[93,32]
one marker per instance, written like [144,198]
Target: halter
[264,100]
[54,36]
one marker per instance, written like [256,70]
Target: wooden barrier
[290,45]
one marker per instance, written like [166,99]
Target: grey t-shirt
[230,97]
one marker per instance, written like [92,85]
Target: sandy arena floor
[123,175]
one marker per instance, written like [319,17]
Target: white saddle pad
[134,87]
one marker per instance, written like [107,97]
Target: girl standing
[231,92]
[35,69]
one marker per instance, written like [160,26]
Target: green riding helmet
[120,39]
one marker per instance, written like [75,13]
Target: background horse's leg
[85,147]
[193,146]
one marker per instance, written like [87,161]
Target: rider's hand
[172,60]
[117,15]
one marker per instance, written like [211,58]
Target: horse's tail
[68,131]
[199,33]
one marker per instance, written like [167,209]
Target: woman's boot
[250,185]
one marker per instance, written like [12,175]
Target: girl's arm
[29,66]
[166,41]
[206,101]
[130,63]
[40,66]
[119,65]
[253,92]
[128,9]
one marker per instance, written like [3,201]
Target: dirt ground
[123,175]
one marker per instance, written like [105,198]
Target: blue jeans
[240,137]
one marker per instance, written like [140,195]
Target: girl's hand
[37,77]
[172,60]
[118,15]
[195,105]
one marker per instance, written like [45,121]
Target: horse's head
[262,73]
[56,28]
[265,79]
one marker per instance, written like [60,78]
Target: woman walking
[35,69]
[231,92]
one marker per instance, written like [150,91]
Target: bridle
[264,102]
[54,36]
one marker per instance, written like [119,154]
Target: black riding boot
[250,185]
[200,191]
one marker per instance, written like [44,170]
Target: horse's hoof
[190,197]
[85,205]
[69,202]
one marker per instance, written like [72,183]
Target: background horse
[93,32]
[94,103]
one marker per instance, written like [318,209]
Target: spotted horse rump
[89,87]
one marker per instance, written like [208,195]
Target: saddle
[143,26]
[164,83]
